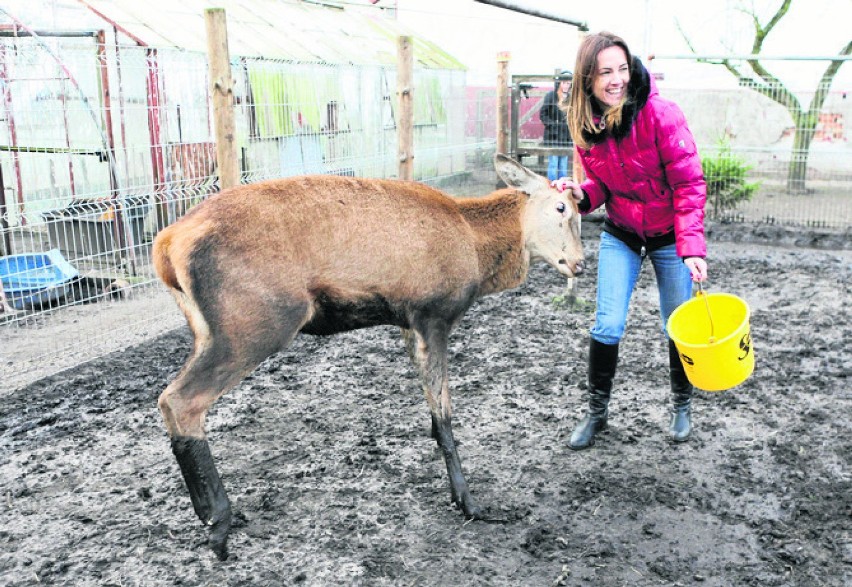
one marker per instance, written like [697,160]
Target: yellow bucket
[712,335]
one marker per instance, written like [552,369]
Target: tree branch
[760,34]
[773,87]
[778,16]
[825,82]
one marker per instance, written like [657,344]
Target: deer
[254,265]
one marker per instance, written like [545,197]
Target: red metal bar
[123,237]
[13,135]
[117,26]
[107,103]
[121,109]
[63,98]
[154,101]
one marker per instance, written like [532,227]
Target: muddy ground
[326,454]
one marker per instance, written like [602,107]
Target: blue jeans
[618,270]
[557,166]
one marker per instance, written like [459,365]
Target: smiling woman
[641,161]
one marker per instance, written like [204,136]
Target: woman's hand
[697,268]
[567,184]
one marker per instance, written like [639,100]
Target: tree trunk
[797,172]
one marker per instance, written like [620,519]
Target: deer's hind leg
[221,357]
[184,406]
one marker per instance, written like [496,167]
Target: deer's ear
[516,175]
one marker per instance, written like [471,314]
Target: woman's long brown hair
[581,116]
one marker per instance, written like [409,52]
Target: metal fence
[101,145]
[761,164]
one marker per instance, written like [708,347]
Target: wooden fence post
[405,99]
[503,102]
[222,91]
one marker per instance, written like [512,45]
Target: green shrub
[725,174]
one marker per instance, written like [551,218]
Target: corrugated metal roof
[272,29]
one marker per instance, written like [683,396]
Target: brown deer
[254,265]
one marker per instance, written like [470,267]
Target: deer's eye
[560,207]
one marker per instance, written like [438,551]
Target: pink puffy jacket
[650,178]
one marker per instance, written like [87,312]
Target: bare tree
[804,118]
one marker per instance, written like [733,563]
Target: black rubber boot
[681,424]
[602,361]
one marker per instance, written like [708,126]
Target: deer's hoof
[218,540]
[472,510]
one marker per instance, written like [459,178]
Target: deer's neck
[497,220]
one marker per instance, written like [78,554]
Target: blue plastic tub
[35,279]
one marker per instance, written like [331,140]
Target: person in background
[556,132]
[642,163]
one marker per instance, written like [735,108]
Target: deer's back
[351,235]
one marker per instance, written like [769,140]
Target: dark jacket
[648,172]
[555,122]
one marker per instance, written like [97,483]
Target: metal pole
[106,103]
[13,135]
[755,57]
[4,224]
[514,123]
[16,32]
[122,231]
[582,25]
[153,101]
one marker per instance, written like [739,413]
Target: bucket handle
[702,294]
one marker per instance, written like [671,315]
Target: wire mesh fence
[774,154]
[102,144]
[765,162]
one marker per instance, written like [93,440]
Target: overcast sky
[474,33]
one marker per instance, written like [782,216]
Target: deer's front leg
[432,349]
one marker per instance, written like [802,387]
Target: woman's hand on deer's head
[564,184]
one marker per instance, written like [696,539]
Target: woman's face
[611,76]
